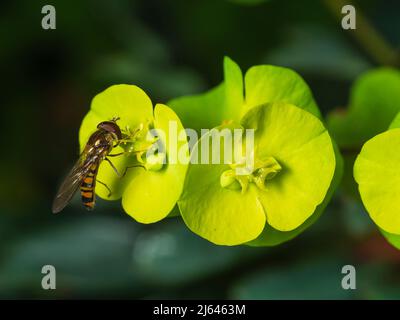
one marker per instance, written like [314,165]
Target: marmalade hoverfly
[83,175]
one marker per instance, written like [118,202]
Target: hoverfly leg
[129,167]
[112,166]
[109,190]
[116,154]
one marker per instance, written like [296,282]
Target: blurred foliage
[169,48]
[374,102]
[248,2]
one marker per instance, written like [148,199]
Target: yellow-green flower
[150,191]
[299,165]
[377,173]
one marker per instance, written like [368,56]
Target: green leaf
[376,171]
[374,101]
[151,195]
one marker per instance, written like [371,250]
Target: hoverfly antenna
[115,119]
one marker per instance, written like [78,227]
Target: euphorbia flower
[377,173]
[290,143]
[150,190]
[293,149]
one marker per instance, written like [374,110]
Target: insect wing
[71,183]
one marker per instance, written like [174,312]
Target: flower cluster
[296,165]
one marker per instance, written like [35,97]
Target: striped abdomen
[87,187]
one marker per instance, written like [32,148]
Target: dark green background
[168,48]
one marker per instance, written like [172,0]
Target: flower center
[263,170]
[147,148]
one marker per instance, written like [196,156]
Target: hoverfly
[83,174]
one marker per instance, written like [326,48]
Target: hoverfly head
[111,126]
